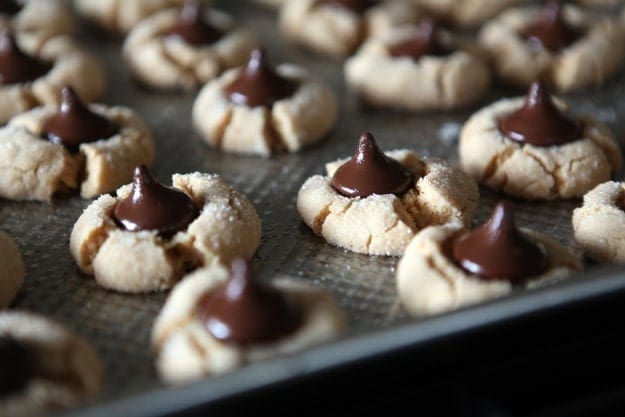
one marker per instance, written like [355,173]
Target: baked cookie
[374,203]
[43,17]
[445,267]
[338,27]
[48,150]
[466,12]
[218,319]
[120,17]
[186,48]
[535,148]
[418,68]
[567,47]
[599,224]
[11,270]
[44,366]
[147,236]
[261,110]
[34,68]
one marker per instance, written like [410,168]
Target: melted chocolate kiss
[551,30]
[192,28]
[75,124]
[357,6]
[369,171]
[15,366]
[500,251]
[15,65]
[540,122]
[259,84]
[424,42]
[152,206]
[245,311]
[10,7]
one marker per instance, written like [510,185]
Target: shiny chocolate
[17,66]
[259,84]
[16,366]
[192,27]
[244,311]
[153,206]
[356,6]
[539,121]
[551,31]
[75,124]
[370,171]
[424,42]
[10,7]
[498,250]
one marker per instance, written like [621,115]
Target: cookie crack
[445,277]
[169,57]
[496,162]
[557,183]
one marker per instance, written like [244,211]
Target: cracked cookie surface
[42,17]
[385,224]
[32,168]
[185,350]
[67,371]
[533,172]
[429,282]
[11,269]
[227,226]
[599,225]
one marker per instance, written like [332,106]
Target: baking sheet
[118,325]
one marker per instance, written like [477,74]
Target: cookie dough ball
[120,17]
[11,270]
[599,224]
[418,68]
[44,17]
[445,267]
[218,319]
[566,46]
[147,236]
[375,202]
[535,148]
[44,366]
[34,68]
[336,27]
[184,49]
[92,148]
[261,110]
[466,12]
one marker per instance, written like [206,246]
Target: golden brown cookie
[466,12]
[43,17]
[11,270]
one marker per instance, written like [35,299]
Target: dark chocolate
[15,65]
[424,42]
[16,366]
[539,121]
[370,171]
[551,31]
[153,206]
[10,7]
[192,27]
[356,6]
[498,250]
[244,311]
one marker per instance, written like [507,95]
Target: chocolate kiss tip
[502,217]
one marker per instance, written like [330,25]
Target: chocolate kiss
[75,124]
[16,364]
[357,6]
[192,28]
[245,311]
[424,42]
[15,65]
[540,122]
[551,30]
[9,7]
[152,206]
[500,251]
[259,84]
[369,171]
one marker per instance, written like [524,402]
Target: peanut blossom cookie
[261,110]
[535,148]
[338,27]
[44,366]
[374,203]
[148,236]
[37,16]
[466,12]
[11,270]
[599,224]
[417,68]
[34,68]
[183,49]
[566,46]
[48,150]
[445,267]
[218,319]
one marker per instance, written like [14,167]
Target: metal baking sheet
[119,325]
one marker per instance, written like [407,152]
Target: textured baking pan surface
[119,325]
